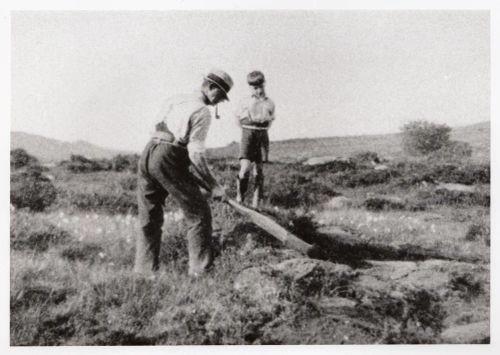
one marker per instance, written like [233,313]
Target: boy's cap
[256,78]
[221,79]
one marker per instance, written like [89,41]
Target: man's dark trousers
[164,170]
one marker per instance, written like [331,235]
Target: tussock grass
[72,280]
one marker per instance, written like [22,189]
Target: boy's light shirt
[257,109]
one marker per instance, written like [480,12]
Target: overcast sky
[102,76]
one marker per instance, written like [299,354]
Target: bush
[453,198]
[296,190]
[466,174]
[366,159]
[125,162]
[453,151]
[333,166]
[467,284]
[362,178]
[478,231]
[422,137]
[383,203]
[413,173]
[31,189]
[20,158]
[81,164]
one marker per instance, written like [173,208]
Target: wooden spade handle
[273,228]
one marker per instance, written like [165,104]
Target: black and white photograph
[250,177]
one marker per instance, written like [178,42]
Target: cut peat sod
[340,246]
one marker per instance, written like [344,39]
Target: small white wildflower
[102,255]
[61,214]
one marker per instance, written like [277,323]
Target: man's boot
[241,188]
[258,193]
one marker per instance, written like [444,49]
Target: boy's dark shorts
[254,145]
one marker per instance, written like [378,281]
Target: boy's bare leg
[242,181]
[259,185]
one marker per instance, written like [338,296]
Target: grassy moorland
[386,145]
[410,265]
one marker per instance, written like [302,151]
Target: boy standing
[255,115]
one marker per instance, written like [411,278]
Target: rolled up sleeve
[200,124]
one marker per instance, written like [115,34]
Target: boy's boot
[241,188]
[258,193]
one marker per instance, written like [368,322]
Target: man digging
[177,143]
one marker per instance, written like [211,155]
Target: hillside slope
[387,145]
[53,150]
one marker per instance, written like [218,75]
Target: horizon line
[234,141]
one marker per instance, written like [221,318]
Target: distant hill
[386,145]
[52,150]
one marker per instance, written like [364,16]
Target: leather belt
[255,127]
